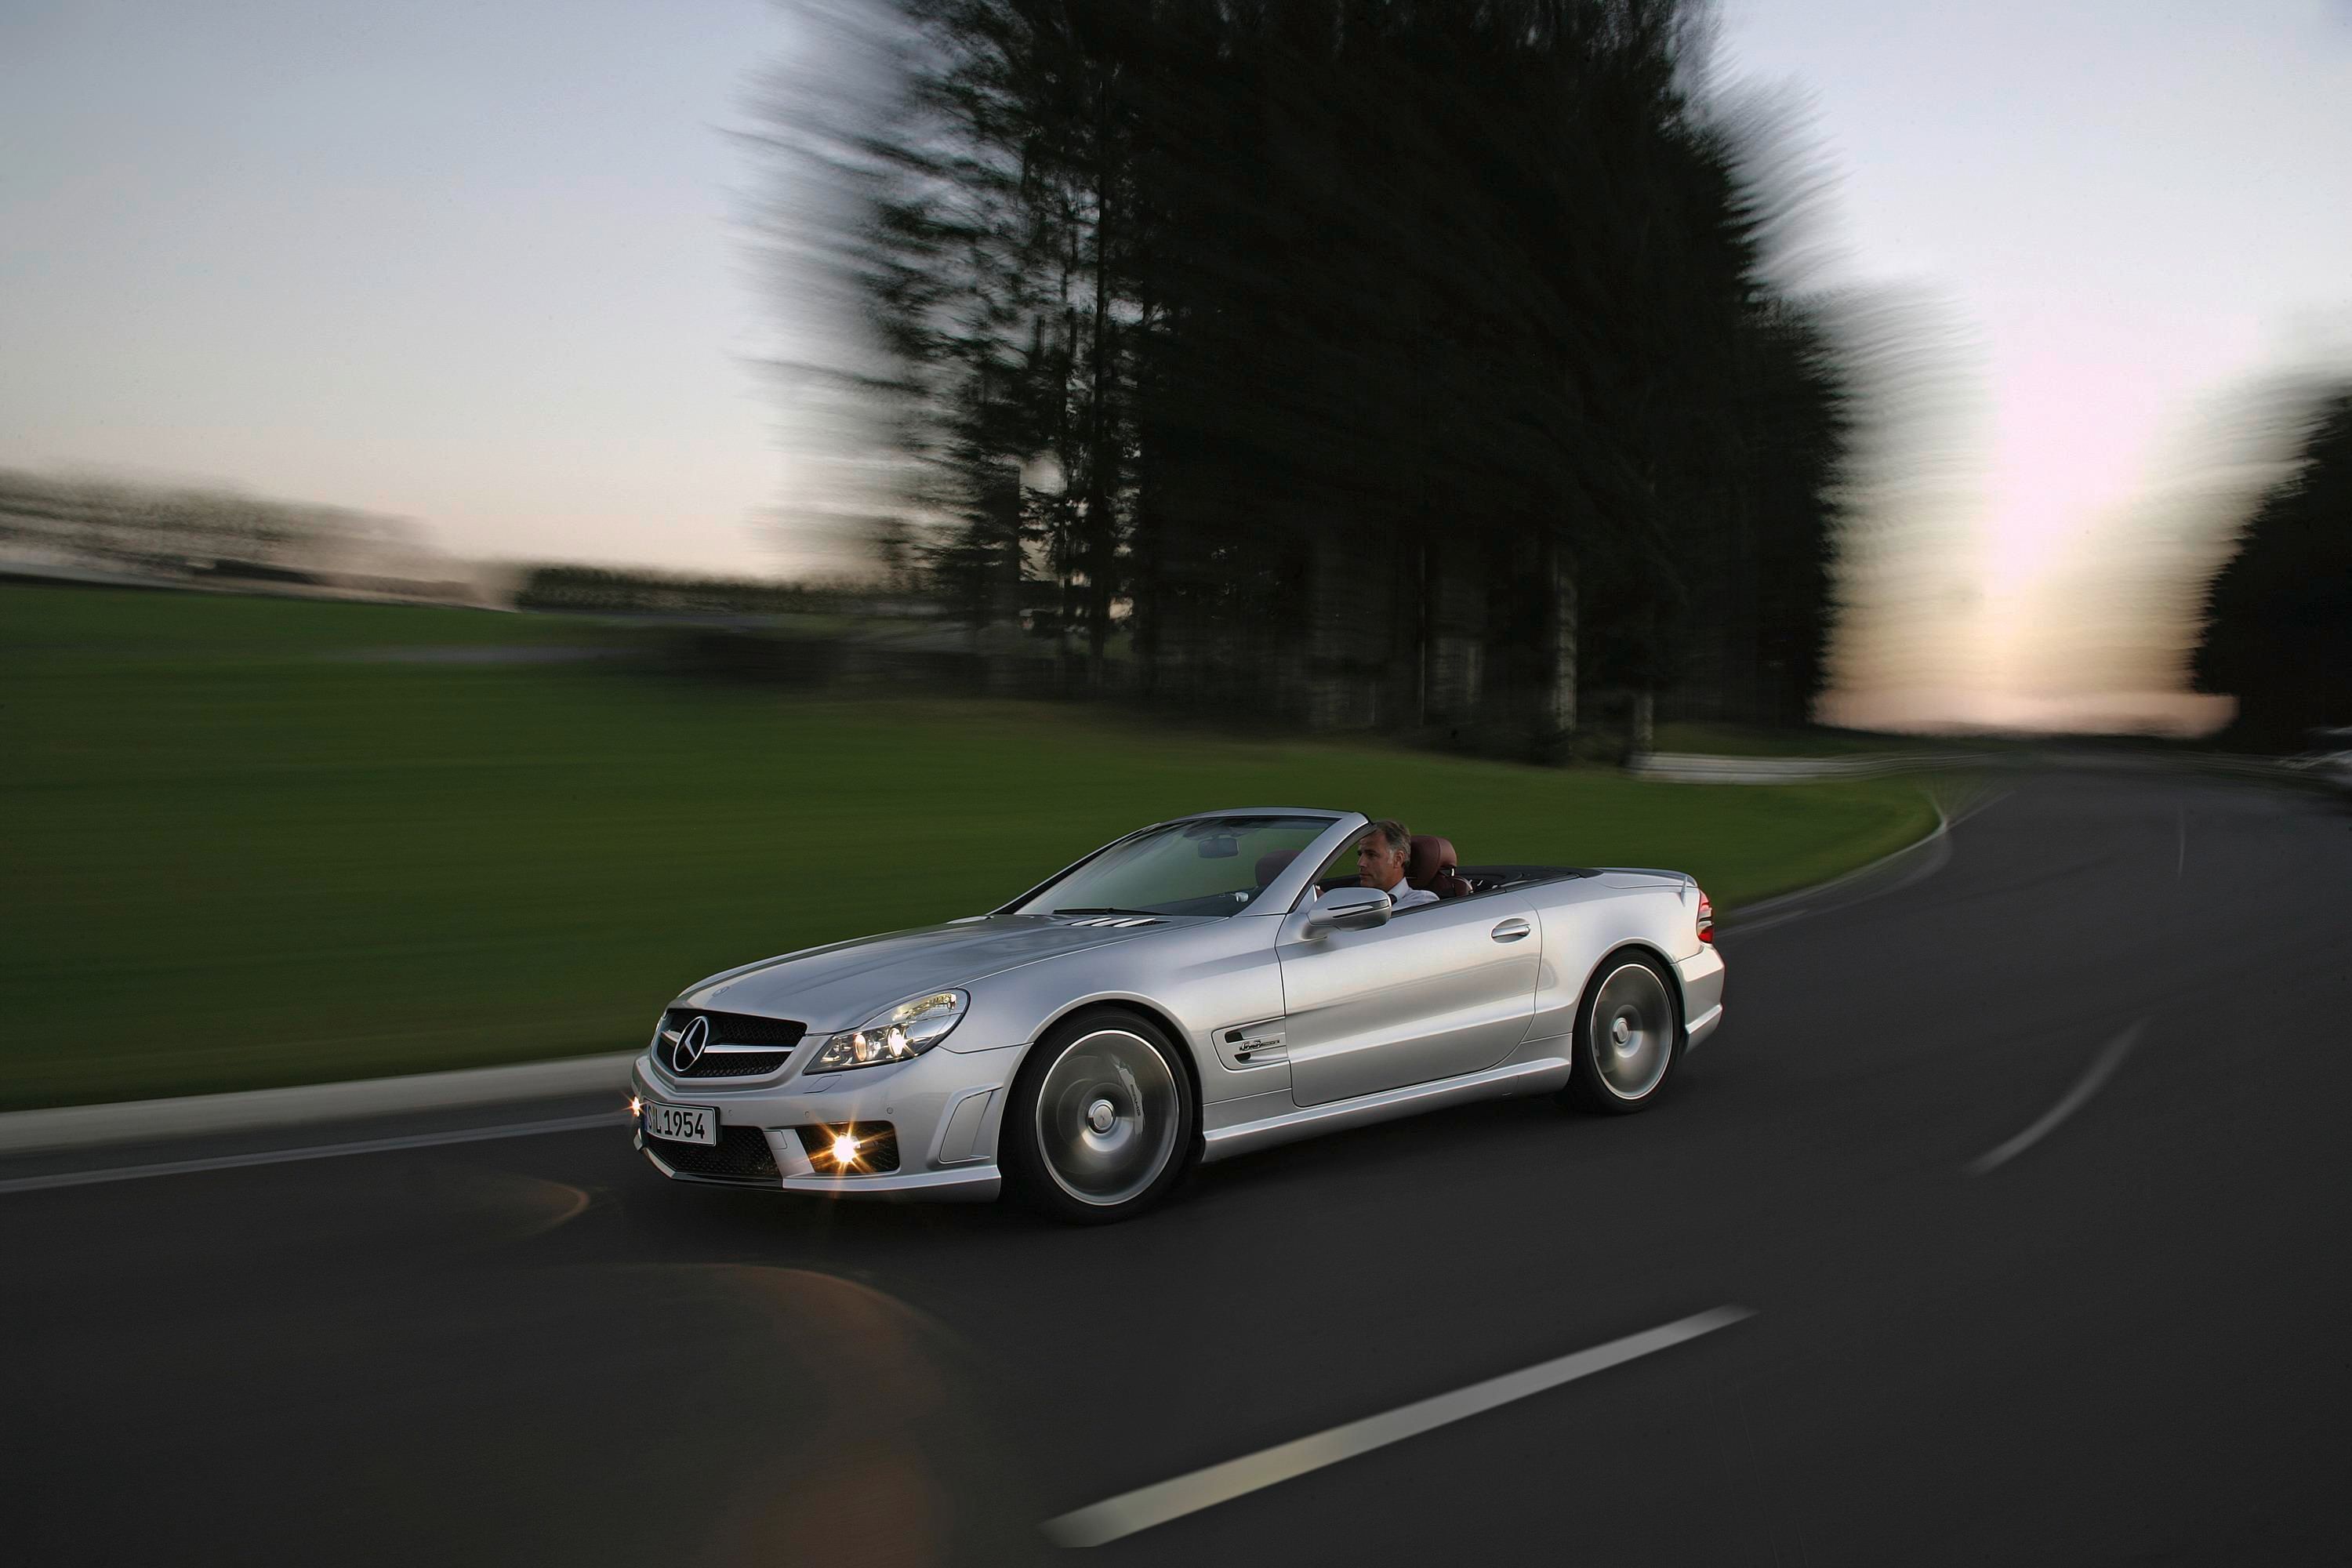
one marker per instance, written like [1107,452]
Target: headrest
[1270,864]
[1428,858]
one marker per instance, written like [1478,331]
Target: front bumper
[944,1105]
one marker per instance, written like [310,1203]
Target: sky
[2124,214]
[489,267]
[481,265]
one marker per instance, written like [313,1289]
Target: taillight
[1705,919]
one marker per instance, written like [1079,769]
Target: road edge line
[52,1181]
[254,1110]
[1731,921]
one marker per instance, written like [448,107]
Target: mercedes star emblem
[686,1049]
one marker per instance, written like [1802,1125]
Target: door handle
[1510,929]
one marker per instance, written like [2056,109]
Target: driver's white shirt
[1403,896]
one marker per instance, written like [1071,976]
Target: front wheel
[1100,1123]
[1627,1033]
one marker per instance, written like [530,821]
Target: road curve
[2120,1341]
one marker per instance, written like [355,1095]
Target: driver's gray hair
[1390,831]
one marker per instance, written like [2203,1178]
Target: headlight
[905,1031]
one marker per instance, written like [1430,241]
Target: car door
[1440,990]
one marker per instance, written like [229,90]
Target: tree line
[1399,363]
[563,589]
[167,532]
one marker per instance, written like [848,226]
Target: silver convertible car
[1196,989]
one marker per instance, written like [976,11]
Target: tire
[1101,1125]
[1629,1032]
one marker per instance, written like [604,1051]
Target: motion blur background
[505,511]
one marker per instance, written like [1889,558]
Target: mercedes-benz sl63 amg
[1196,989]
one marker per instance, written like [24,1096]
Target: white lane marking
[313,1152]
[1142,1509]
[2103,1069]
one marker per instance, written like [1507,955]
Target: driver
[1380,856]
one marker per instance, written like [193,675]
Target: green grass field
[242,850]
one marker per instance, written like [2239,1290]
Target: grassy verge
[243,849]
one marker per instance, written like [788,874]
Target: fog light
[852,1149]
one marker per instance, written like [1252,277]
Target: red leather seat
[1270,864]
[1429,863]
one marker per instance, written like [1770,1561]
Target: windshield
[1210,866]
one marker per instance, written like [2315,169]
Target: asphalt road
[2026,1157]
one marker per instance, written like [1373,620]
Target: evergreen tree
[2278,614]
[1399,361]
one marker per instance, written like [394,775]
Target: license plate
[682,1123]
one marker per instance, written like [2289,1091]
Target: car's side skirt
[1533,1076]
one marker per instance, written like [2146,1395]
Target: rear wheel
[1100,1123]
[1628,1029]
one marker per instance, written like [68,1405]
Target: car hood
[842,986]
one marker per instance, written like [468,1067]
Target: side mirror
[1345,909]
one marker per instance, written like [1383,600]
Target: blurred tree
[1404,363]
[2278,614]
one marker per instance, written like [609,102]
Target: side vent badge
[1254,1045]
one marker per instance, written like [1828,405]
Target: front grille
[741,1155]
[736,1064]
[780,1035]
